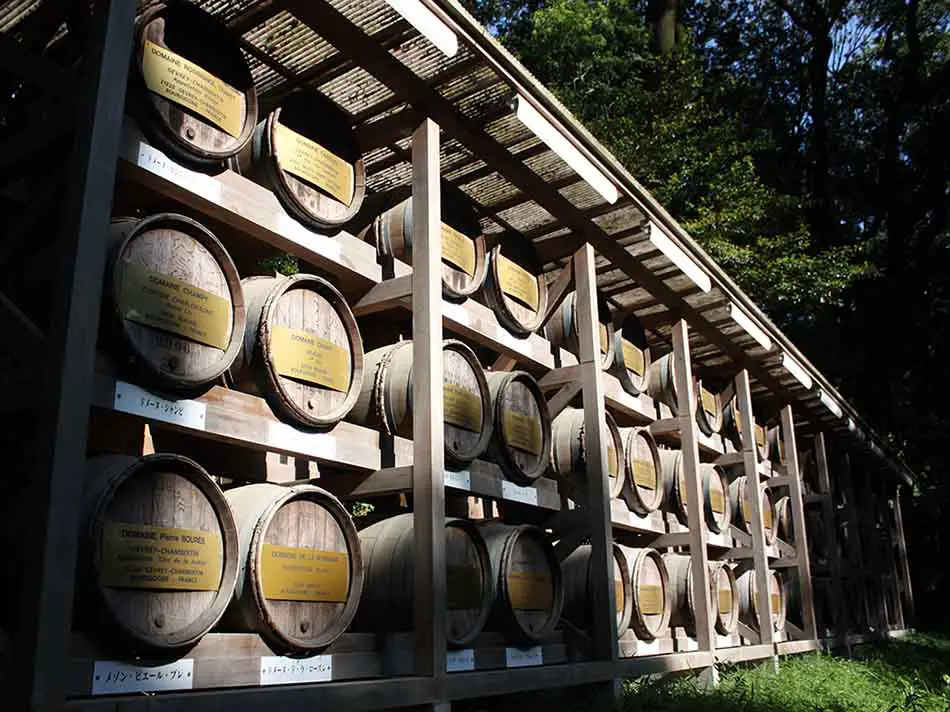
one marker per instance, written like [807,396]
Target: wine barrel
[651,592]
[716,504]
[191,89]
[306,152]
[515,288]
[742,508]
[569,455]
[708,410]
[722,581]
[783,519]
[140,512]
[529,589]
[732,429]
[177,308]
[562,329]
[776,445]
[463,246]
[302,349]
[579,582]
[631,355]
[301,567]
[521,426]
[385,401]
[388,561]
[748,599]
[661,382]
[643,485]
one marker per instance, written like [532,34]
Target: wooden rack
[54,664]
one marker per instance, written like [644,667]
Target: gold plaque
[458,250]
[309,160]
[143,556]
[304,356]
[644,474]
[172,76]
[602,333]
[716,501]
[517,282]
[530,590]
[725,601]
[522,431]
[162,302]
[633,359]
[462,407]
[709,401]
[651,600]
[290,573]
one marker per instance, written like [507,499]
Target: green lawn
[912,675]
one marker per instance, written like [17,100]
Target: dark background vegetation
[806,145]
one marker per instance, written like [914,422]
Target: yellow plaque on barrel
[462,407]
[776,603]
[530,590]
[725,601]
[458,250]
[767,516]
[632,357]
[618,595]
[522,432]
[304,356]
[290,573]
[759,435]
[177,79]
[144,556]
[602,334]
[163,302]
[716,501]
[651,600]
[517,282]
[709,401]
[644,474]
[309,160]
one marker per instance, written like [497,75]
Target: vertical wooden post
[831,528]
[894,575]
[601,535]
[689,441]
[40,670]
[760,560]
[907,599]
[798,523]
[859,560]
[428,449]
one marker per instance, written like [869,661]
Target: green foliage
[902,676]
[285,264]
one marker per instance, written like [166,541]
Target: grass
[909,675]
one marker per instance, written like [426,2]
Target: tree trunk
[821,215]
[664,18]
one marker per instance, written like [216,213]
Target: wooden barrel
[192,90]
[661,382]
[301,567]
[776,445]
[643,485]
[562,329]
[306,152]
[569,454]
[651,593]
[716,505]
[631,355]
[742,507]
[515,288]
[176,306]
[463,246]
[521,427]
[388,561]
[385,401]
[732,429]
[708,410]
[529,589]
[748,600]
[783,519]
[160,551]
[722,581]
[579,583]
[302,349]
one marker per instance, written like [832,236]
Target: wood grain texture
[661,382]
[166,491]
[742,514]
[300,517]
[723,582]
[315,117]
[312,305]
[630,329]
[577,572]
[569,458]
[749,595]
[651,592]
[513,314]
[201,39]
[642,462]
[388,560]
[518,393]
[562,329]
[177,247]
